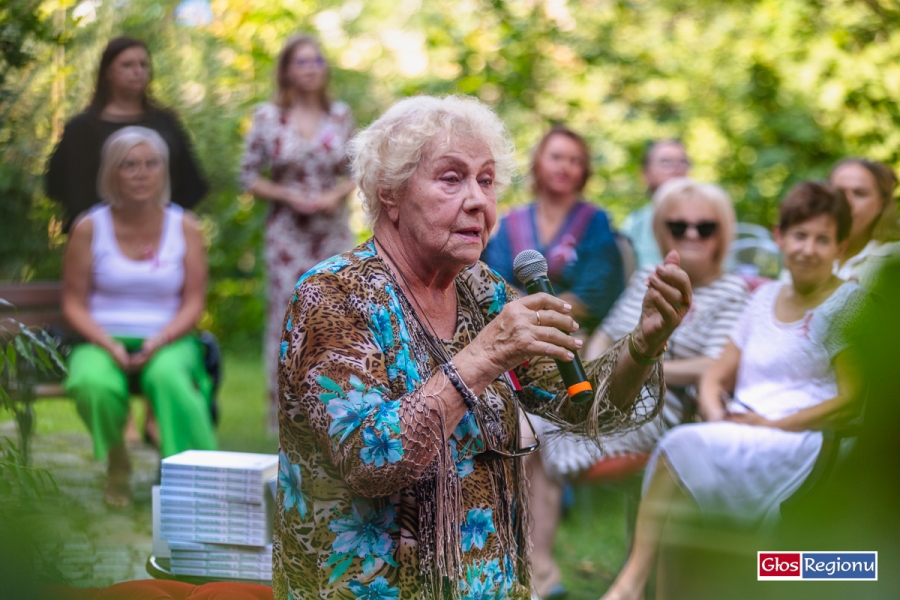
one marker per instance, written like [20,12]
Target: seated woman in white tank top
[134,286]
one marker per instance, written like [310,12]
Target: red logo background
[779,564]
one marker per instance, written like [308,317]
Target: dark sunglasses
[704,229]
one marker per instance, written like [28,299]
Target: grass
[590,544]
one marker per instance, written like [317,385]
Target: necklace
[429,343]
[464,297]
[430,338]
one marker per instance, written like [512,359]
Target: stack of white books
[220,560]
[216,512]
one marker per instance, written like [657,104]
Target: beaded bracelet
[465,391]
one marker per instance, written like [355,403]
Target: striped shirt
[707,325]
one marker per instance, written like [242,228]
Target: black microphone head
[528,265]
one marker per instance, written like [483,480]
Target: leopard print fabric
[347,518]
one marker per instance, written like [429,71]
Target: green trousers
[174,380]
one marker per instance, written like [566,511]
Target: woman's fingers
[554,351]
[663,306]
[536,325]
[545,301]
[120,355]
[558,338]
[669,296]
[672,258]
[544,310]
[674,277]
[672,294]
[739,418]
[552,319]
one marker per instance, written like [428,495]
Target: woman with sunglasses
[696,221]
[785,367]
[295,159]
[402,368]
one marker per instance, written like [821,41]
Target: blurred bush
[763,92]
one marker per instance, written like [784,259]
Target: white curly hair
[385,155]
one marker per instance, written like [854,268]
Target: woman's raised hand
[667,301]
[528,327]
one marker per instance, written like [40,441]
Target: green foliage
[25,45]
[25,354]
[763,92]
[20,482]
[21,29]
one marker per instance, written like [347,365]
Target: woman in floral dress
[295,159]
[401,371]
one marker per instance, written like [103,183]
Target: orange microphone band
[582,386]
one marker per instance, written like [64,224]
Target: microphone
[530,267]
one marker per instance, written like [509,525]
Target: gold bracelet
[641,358]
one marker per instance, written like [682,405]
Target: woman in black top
[120,99]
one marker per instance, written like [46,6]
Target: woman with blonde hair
[782,377]
[697,221]
[295,159]
[134,287]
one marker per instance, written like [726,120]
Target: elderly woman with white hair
[134,287]
[402,365]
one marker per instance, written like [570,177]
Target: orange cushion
[146,589]
[615,468]
[231,591]
[161,589]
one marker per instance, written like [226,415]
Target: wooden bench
[39,304]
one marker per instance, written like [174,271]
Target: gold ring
[538,315]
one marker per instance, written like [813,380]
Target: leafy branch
[26,354]
[19,481]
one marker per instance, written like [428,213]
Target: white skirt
[738,471]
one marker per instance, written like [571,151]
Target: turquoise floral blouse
[347,519]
